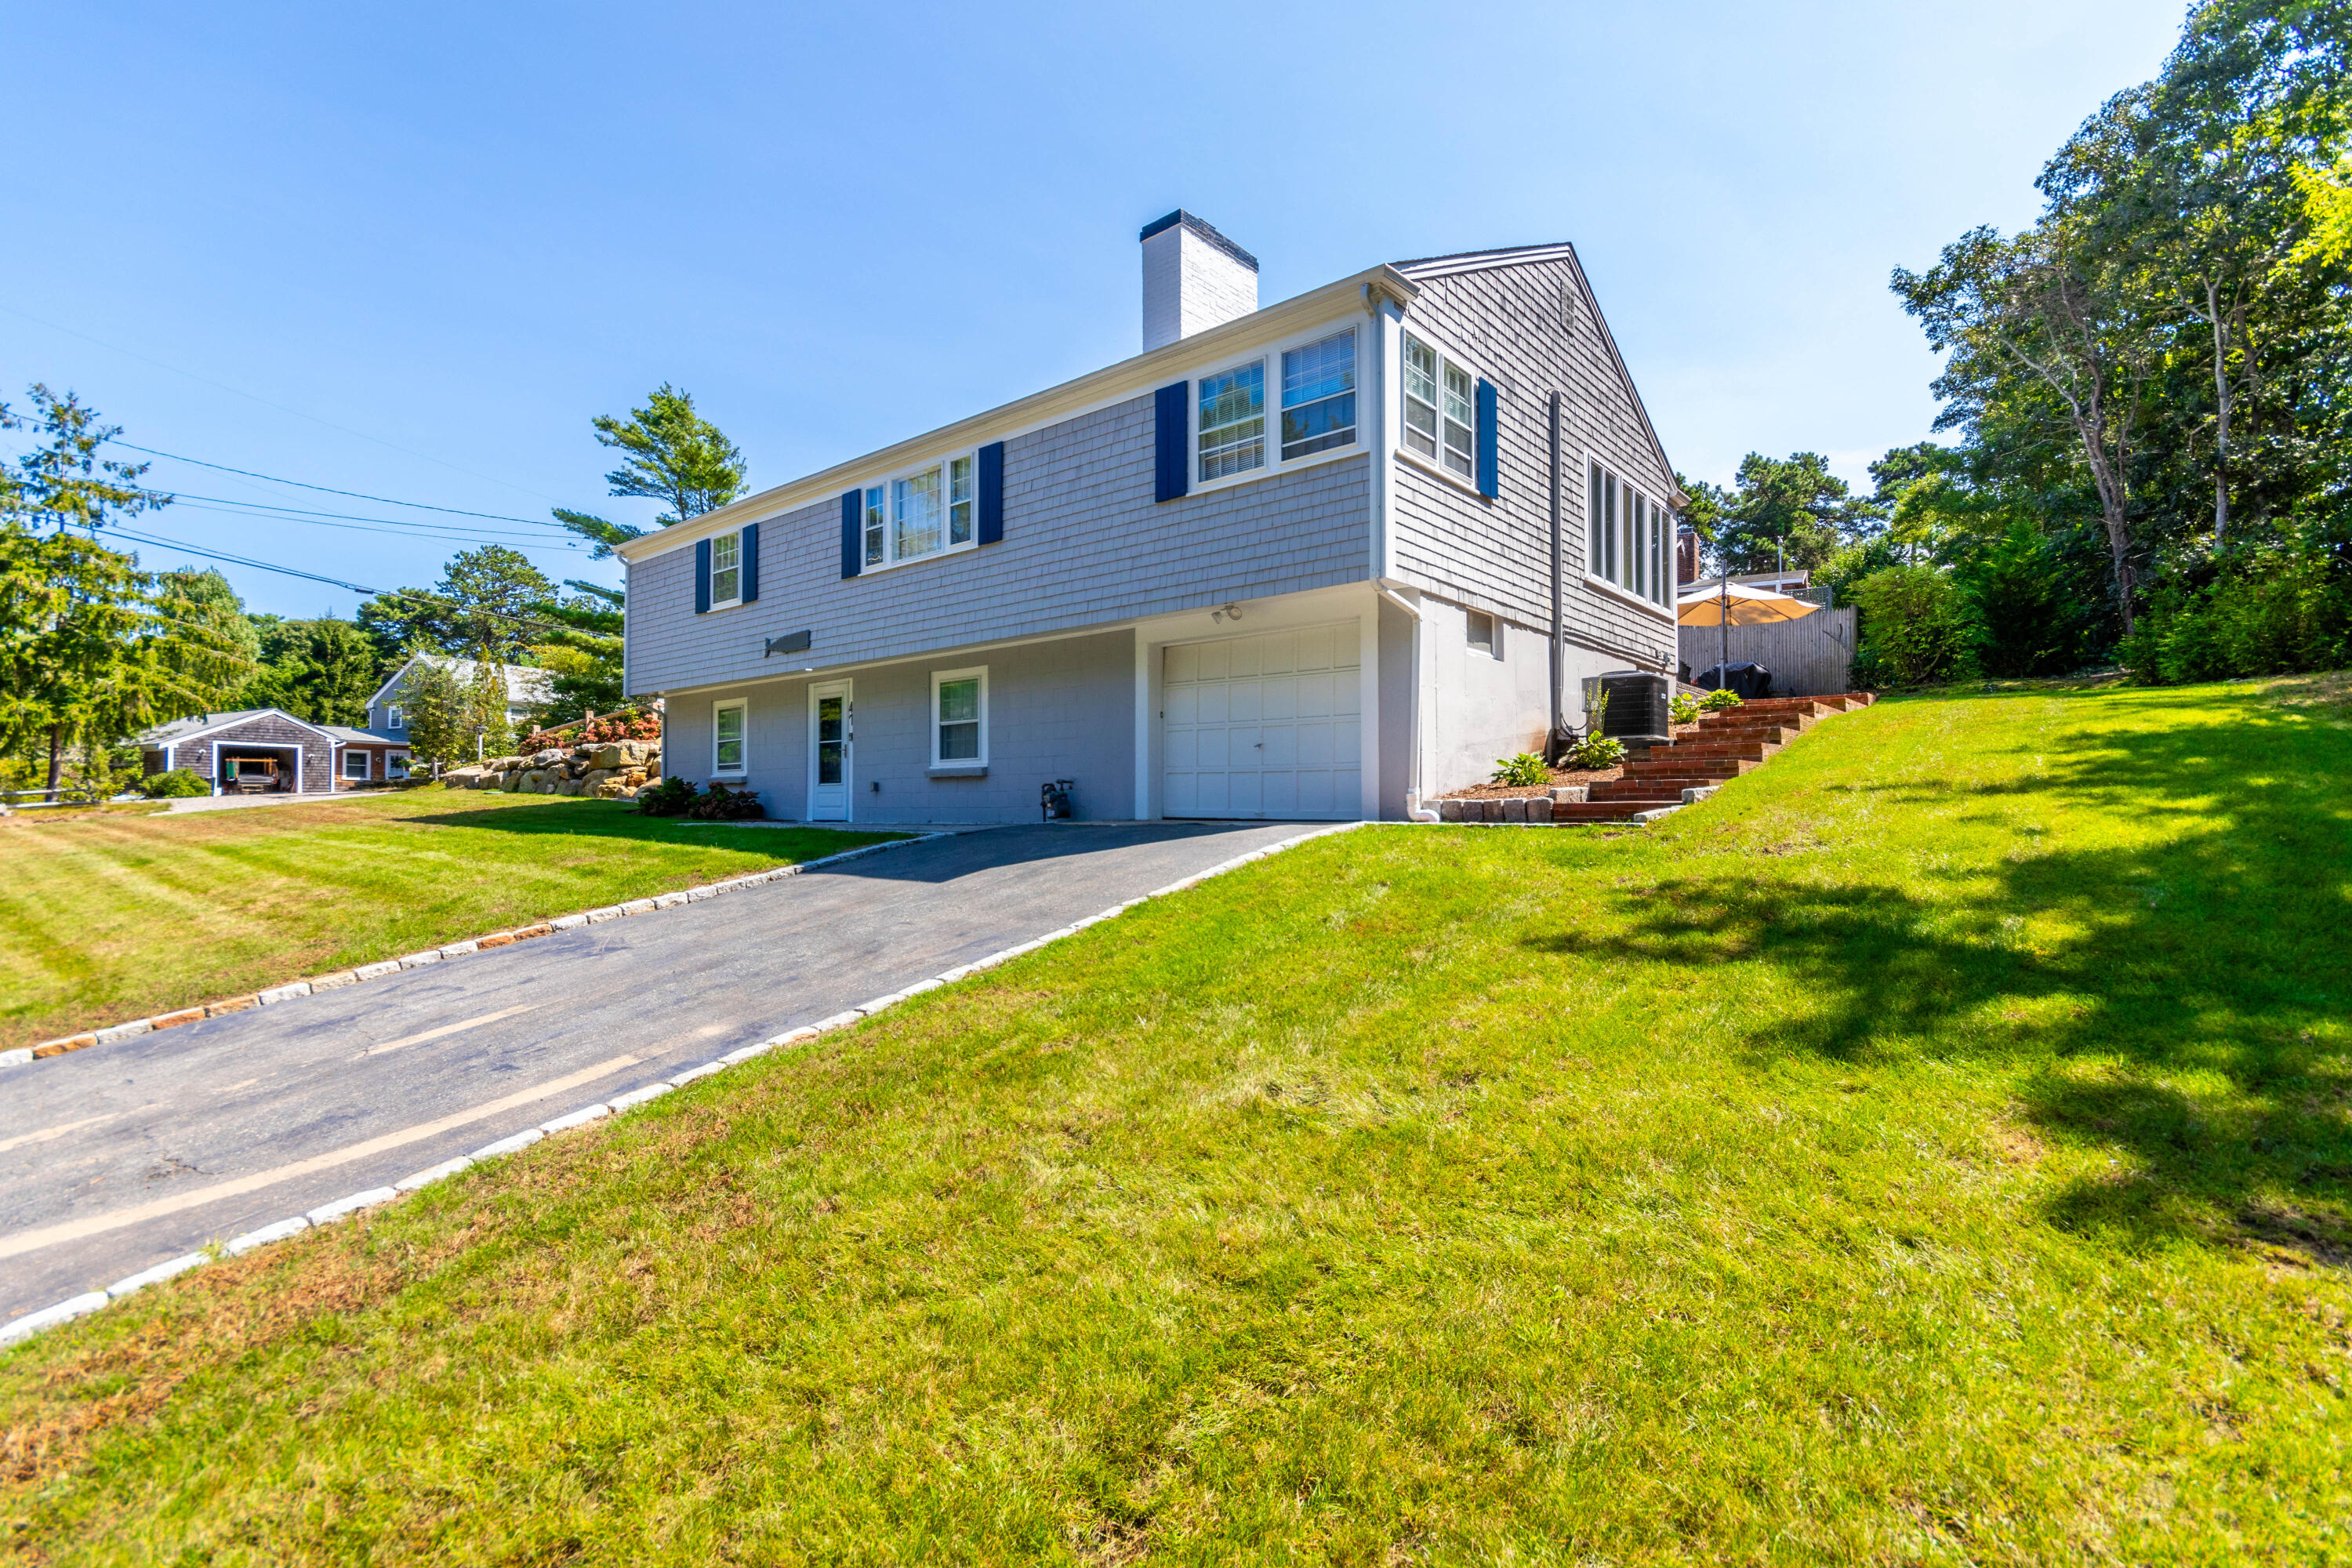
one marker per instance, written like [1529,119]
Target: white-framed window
[1232,421]
[925,511]
[727,736]
[959,717]
[1319,395]
[396,764]
[726,570]
[1627,537]
[1484,636]
[1441,408]
[394,719]
[355,764]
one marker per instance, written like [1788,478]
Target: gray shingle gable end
[1532,255]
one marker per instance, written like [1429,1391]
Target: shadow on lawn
[2218,958]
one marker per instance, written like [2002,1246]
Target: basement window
[1485,637]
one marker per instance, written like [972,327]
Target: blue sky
[411,252]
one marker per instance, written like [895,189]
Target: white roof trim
[231,725]
[1114,383]
[1482,260]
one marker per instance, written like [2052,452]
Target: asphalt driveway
[121,1156]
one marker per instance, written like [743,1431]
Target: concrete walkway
[121,1156]
[239,802]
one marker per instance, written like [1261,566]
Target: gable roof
[1462,261]
[188,729]
[346,736]
[525,684]
[1130,377]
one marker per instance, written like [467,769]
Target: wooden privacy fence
[1808,659]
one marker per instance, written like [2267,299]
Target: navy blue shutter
[751,560]
[702,576]
[1169,426]
[991,493]
[853,543]
[1490,477]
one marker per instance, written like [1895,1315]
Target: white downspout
[1414,809]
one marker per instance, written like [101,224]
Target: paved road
[248,1119]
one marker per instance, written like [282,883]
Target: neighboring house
[365,756]
[526,690]
[269,750]
[1309,560]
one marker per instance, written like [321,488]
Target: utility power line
[235,560]
[329,490]
[401,526]
[281,408]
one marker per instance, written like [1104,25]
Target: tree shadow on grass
[2189,1017]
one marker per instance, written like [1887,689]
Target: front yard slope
[1932,1149]
[105,916]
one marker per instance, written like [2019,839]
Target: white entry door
[833,725]
[1264,726]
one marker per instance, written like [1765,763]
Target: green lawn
[1932,1149]
[112,915]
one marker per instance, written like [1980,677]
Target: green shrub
[1682,708]
[2018,592]
[1595,751]
[1527,768]
[2250,613]
[1917,628]
[180,784]
[719,804]
[668,798]
[1721,701]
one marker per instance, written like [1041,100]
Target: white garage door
[1264,726]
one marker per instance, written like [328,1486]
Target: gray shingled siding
[1496,554]
[265,732]
[1058,709]
[1084,545]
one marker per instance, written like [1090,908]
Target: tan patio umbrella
[1729,605]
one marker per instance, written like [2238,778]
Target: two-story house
[1319,560]
[387,710]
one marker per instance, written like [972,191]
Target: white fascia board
[249,717]
[1099,389]
[1482,260]
[392,682]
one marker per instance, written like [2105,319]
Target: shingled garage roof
[180,730]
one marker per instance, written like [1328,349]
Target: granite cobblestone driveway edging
[328,1214]
[496,938]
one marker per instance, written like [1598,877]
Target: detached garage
[264,751]
[1265,726]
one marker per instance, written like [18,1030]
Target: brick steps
[1725,746]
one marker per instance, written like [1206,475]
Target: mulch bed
[1559,776]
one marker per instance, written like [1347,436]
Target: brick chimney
[1193,279]
[1686,555]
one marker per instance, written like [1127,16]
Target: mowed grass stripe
[118,916]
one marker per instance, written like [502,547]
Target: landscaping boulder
[511,782]
[547,758]
[608,758]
